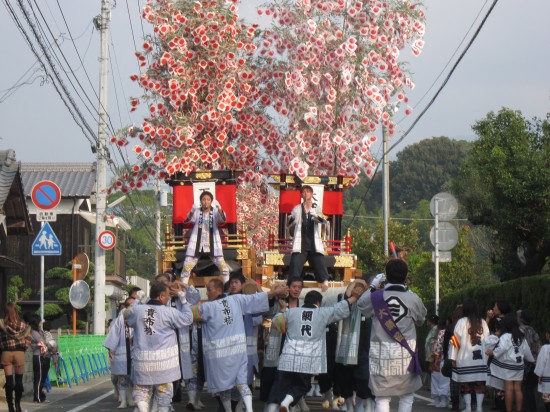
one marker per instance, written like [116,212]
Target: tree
[258,212]
[367,243]
[139,212]
[17,290]
[201,90]
[505,184]
[424,169]
[463,270]
[420,171]
[59,281]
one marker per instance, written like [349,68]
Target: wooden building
[14,219]
[77,184]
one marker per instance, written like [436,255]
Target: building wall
[73,233]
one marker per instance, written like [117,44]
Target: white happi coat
[542,369]
[471,360]
[155,356]
[388,360]
[115,342]
[304,350]
[184,335]
[275,338]
[296,215]
[492,381]
[195,218]
[509,358]
[224,338]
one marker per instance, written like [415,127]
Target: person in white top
[205,237]
[509,356]
[542,370]
[468,354]
[306,227]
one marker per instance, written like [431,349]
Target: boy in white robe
[306,227]
[224,339]
[389,360]
[155,354]
[205,237]
[304,352]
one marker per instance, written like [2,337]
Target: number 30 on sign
[107,240]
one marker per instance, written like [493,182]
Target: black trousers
[294,384]
[316,261]
[40,368]
[267,381]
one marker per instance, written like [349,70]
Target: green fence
[81,358]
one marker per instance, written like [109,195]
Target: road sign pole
[436,255]
[74,309]
[42,282]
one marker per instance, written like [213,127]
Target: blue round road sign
[46,195]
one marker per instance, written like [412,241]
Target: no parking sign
[45,195]
[106,240]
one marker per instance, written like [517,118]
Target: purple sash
[383,314]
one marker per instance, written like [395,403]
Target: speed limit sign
[106,240]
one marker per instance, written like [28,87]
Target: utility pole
[157,227]
[102,24]
[386,188]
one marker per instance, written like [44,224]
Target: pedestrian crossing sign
[46,243]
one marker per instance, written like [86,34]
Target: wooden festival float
[186,191]
[328,192]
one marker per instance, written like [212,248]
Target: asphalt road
[97,396]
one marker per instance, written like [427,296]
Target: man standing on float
[205,237]
[306,227]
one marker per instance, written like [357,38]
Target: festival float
[263,266]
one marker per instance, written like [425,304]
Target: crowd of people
[358,345]
[470,355]
[171,337]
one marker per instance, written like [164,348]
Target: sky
[508,65]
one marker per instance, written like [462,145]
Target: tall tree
[424,169]
[258,212]
[200,89]
[505,185]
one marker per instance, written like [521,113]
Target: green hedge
[524,293]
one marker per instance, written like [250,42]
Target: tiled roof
[14,215]
[75,180]
[8,170]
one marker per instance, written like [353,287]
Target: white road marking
[423,398]
[92,402]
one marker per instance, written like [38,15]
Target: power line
[18,83]
[429,104]
[91,107]
[433,99]
[51,72]
[450,58]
